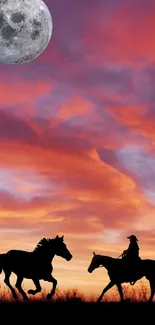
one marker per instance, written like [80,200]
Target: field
[71,306]
[76,312]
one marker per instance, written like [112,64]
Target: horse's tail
[1,262]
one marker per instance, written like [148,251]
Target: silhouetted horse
[121,271]
[35,265]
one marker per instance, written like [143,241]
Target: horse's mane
[109,259]
[106,257]
[43,243]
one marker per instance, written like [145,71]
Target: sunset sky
[77,138]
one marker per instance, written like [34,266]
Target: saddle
[131,263]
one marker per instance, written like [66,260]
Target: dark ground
[76,312]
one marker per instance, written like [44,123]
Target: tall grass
[131,293]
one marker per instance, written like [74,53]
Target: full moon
[25,30]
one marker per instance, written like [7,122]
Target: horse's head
[61,248]
[95,263]
[50,247]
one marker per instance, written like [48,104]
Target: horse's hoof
[31,292]
[48,297]
[25,298]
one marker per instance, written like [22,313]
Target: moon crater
[17,17]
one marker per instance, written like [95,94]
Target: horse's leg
[18,286]
[152,287]
[120,291]
[50,278]
[7,282]
[110,285]
[38,287]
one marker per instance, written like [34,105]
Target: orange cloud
[99,188]
[75,107]
[138,118]
[19,92]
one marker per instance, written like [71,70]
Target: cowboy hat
[132,237]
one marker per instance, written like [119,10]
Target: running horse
[35,265]
[121,271]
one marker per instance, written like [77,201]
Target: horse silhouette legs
[119,287]
[38,287]
[110,285]
[152,287]
[18,286]
[50,278]
[7,282]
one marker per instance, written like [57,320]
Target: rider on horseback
[132,253]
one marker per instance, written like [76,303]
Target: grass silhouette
[131,293]
[72,306]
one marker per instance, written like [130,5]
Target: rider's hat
[132,237]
